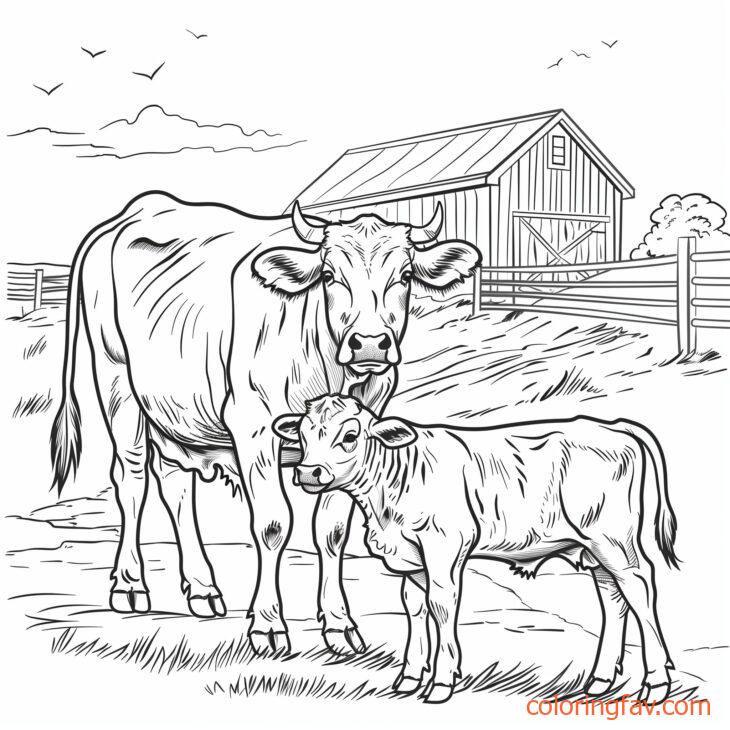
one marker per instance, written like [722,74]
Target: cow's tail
[66,430]
[665,524]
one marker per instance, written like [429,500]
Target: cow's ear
[393,433]
[287,427]
[445,264]
[288,270]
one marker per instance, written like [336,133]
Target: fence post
[686,331]
[38,289]
[477,303]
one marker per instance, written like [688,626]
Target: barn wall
[531,185]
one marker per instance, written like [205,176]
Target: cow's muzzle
[312,479]
[369,353]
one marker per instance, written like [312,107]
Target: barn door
[554,239]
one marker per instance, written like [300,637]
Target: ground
[529,637]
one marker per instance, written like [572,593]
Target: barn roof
[436,163]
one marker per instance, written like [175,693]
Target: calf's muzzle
[312,479]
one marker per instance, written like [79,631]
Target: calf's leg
[609,659]
[177,489]
[331,525]
[444,569]
[634,576]
[417,652]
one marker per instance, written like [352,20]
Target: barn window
[558,152]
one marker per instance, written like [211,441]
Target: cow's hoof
[348,641]
[596,686]
[406,685]
[271,642]
[207,606]
[129,601]
[654,694]
[438,693]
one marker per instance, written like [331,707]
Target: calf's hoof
[406,685]
[596,686]
[271,642]
[654,693]
[436,693]
[348,641]
[207,606]
[129,601]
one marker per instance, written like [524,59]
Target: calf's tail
[665,524]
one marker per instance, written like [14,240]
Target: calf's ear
[393,433]
[287,426]
[445,264]
[288,270]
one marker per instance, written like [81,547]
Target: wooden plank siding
[532,185]
[484,215]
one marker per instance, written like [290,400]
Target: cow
[434,496]
[203,321]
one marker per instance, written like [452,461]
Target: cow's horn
[310,232]
[427,233]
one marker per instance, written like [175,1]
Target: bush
[691,215]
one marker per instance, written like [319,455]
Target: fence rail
[515,288]
[41,283]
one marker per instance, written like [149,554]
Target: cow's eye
[327,276]
[406,277]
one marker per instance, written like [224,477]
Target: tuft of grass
[37,403]
[288,685]
[570,382]
[150,654]
[35,349]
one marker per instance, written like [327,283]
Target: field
[529,638]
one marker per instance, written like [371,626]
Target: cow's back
[171,268]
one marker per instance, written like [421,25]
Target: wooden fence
[38,284]
[674,297]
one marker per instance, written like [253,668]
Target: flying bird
[580,55]
[610,45]
[195,35]
[48,92]
[91,53]
[149,76]
[556,64]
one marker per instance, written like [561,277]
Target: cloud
[154,131]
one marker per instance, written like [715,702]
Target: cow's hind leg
[609,659]
[128,431]
[331,527]
[177,489]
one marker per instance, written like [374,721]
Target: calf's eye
[349,438]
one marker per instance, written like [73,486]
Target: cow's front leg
[271,520]
[333,512]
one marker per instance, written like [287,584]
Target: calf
[523,493]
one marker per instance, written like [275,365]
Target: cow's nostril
[355,343]
[385,342]
[317,473]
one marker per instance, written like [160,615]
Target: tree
[691,215]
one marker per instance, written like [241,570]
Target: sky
[340,75]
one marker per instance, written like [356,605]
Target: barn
[533,190]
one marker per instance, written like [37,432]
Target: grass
[37,403]
[35,349]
